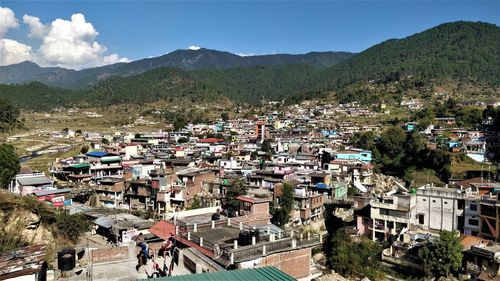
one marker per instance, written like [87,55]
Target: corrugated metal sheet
[255,274]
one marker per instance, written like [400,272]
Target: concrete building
[440,208]
[233,244]
[25,184]
[471,215]
[392,214]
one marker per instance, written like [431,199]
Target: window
[473,222]
[421,219]
[446,202]
[433,201]
[247,206]
[390,225]
[424,200]
[473,207]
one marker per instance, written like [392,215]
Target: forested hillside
[459,53]
[466,52]
[182,59]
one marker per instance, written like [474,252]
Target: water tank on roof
[244,238]
[66,260]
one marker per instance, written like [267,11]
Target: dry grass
[461,164]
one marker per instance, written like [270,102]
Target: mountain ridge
[462,53]
[189,60]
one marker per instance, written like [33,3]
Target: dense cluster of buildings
[183,178]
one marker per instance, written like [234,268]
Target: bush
[71,227]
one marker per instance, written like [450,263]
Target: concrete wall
[440,213]
[111,254]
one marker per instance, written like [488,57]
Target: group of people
[166,249]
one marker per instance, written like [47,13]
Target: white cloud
[194,48]
[65,43]
[72,44]
[245,54]
[12,52]
[113,58]
[37,29]
[7,20]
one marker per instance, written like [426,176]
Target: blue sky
[138,29]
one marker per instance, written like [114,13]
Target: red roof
[163,229]
[211,140]
[246,199]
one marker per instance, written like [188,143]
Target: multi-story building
[308,205]
[440,208]
[189,185]
[489,215]
[472,215]
[110,192]
[392,214]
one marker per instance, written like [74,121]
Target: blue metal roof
[97,153]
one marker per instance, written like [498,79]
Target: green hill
[463,52]
[181,59]
[459,53]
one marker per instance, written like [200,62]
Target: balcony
[399,206]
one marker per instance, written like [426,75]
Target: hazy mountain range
[182,59]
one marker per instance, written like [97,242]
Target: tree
[84,149]
[237,188]
[443,255]
[391,147]
[195,204]
[349,258]
[469,117]
[182,140]
[266,147]
[8,116]
[224,116]
[9,164]
[365,140]
[281,215]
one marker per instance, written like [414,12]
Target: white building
[25,184]
[440,208]
[471,215]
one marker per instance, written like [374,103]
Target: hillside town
[259,196]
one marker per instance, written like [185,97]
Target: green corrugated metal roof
[80,166]
[269,273]
[111,159]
